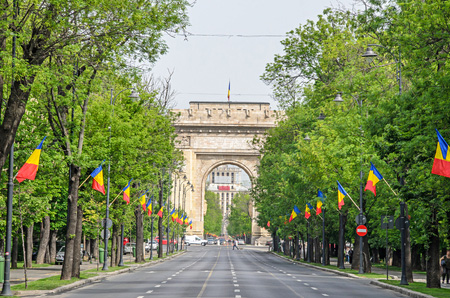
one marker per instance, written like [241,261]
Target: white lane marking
[315,289]
[289,274]
[325,295]
[234,280]
[299,280]
[314,274]
[169,278]
[259,272]
[140,297]
[157,286]
[174,275]
[163,282]
[238,296]
[149,292]
[236,285]
[150,272]
[306,284]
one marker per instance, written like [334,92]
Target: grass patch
[49,283]
[110,269]
[422,288]
[20,265]
[395,268]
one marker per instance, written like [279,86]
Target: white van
[195,240]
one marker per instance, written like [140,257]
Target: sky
[237,40]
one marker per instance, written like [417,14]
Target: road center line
[209,276]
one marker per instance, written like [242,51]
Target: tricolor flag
[294,213]
[341,195]
[179,219]
[441,164]
[175,217]
[190,223]
[97,183]
[268,223]
[229,90]
[172,212]
[374,177]
[319,202]
[126,192]
[149,206]
[160,212]
[308,210]
[30,168]
[143,201]
[186,220]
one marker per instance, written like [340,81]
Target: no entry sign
[361,230]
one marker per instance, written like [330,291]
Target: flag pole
[353,202]
[84,181]
[116,197]
[317,214]
[389,186]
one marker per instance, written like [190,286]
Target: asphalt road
[213,271]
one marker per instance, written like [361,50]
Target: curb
[91,280]
[397,289]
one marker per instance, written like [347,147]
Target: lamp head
[134,95]
[307,138]
[338,98]
[369,54]
[321,116]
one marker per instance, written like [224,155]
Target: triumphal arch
[211,134]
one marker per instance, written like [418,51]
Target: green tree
[240,220]
[213,218]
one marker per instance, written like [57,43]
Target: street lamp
[370,54]
[338,99]
[133,95]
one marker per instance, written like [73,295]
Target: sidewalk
[17,276]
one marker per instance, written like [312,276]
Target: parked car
[60,256]
[151,245]
[222,241]
[128,248]
[195,240]
[241,241]
[164,241]
[211,240]
[269,242]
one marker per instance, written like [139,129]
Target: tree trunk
[52,245]
[77,244]
[43,241]
[140,235]
[29,245]
[72,204]
[119,243]
[94,247]
[397,258]
[376,256]
[14,251]
[408,262]
[87,247]
[416,257]
[433,268]
[160,220]
[341,246]
[367,267]
[113,245]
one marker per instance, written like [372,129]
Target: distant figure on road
[445,265]
[235,244]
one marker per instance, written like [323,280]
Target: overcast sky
[203,65]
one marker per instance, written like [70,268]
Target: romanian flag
[319,202]
[441,164]
[126,192]
[160,212]
[190,223]
[374,177]
[172,212]
[97,183]
[179,219]
[294,213]
[229,90]
[175,217]
[30,168]
[149,206]
[308,210]
[186,220]
[341,195]
[143,201]
[268,223]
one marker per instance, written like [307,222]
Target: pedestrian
[445,265]
[235,244]
[350,255]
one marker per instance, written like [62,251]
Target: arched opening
[228,208]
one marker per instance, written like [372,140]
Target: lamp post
[112,101]
[369,55]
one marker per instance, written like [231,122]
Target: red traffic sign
[125,241]
[361,230]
